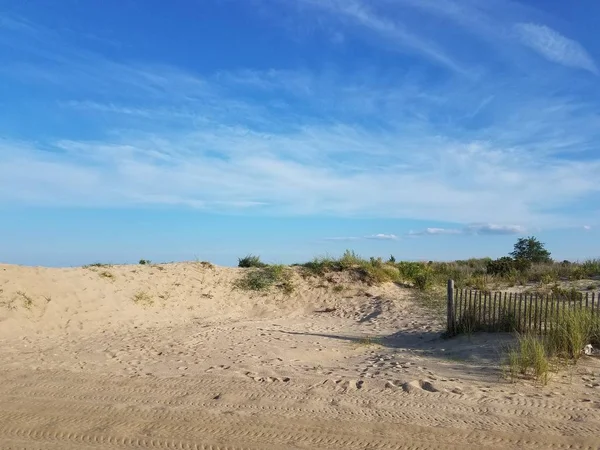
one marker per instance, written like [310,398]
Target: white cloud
[435,231]
[587,227]
[555,47]
[490,228]
[382,237]
[486,229]
[396,33]
[373,143]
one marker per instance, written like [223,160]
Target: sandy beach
[174,356]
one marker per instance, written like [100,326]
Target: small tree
[532,250]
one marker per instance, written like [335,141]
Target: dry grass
[143,298]
[369,341]
[266,277]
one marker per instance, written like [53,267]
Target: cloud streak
[384,144]
[394,32]
[382,237]
[481,229]
[555,47]
[371,237]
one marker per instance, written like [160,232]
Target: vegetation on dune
[265,277]
[529,262]
[251,261]
[371,271]
[534,356]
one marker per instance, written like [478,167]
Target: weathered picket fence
[474,310]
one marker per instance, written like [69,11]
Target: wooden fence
[473,310]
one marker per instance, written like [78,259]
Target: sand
[172,356]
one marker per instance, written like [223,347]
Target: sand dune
[173,356]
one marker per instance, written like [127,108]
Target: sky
[211,129]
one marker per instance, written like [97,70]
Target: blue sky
[430,129]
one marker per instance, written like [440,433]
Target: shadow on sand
[482,349]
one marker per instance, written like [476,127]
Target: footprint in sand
[412,386]
[262,379]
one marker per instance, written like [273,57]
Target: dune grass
[142,298]
[528,358]
[265,277]
[251,261]
[534,355]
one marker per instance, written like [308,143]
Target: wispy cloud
[489,228]
[394,32]
[296,142]
[435,232]
[485,229]
[555,47]
[382,237]
[587,227]
[375,237]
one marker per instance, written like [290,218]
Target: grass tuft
[96,265]
[264,278]
[251,261]
[26,299]
[528,358]
[143,298]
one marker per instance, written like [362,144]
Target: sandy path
[210,368]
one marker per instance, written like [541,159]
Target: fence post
[450,312]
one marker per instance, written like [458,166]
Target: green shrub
[591,267]
[250,261]
[350,260]
[319,266]
[409,270]
[566,295]
[263,278]
[501,266]
[145,262]
[478,282]
[423,281]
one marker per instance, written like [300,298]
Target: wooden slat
[470,307]
[490,317]
[525,313]
[494,316]
[546,313]
[593,301]
[518,317]
[553,308]
[530,312]
[484,323]
[460,308]
[587,300]
[536,313]
[514,308]
[541,312]
[479,305]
